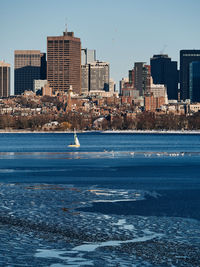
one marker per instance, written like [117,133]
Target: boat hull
[74,146]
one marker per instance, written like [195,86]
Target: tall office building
[4,79]
[88,56]
[194,81]
[29,66]
[164,71]
[85,78]
[186,57]
[43,68]
[142,75]
[95,77]
[64,62]
[99,76]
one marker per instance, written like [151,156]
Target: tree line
[85,121]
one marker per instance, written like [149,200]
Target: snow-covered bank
[152,131]
[109,131]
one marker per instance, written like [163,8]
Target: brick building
[64,62]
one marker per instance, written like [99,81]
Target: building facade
[142,75]
[194,81]
[99,76]
[186,57]
[38,85]
[85,78]
[164,71]
[88,56]
[4,79]
[95,77]
[29,66]
[64,62]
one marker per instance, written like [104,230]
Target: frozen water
[45,226]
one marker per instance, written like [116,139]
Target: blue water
[164,169]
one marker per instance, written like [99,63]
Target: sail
[76,141]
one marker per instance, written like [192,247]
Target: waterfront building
[88,56]
[164,71]
[194,81]
[186,57]
[4,79]
[29,66]
[64,62]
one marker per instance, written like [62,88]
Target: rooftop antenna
[162,51]
[65,25]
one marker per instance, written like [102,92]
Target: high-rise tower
[29,66]
[164,71]
[186,57]
[64,62]
[4,79]
[194,81]
[142,74]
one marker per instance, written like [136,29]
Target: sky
[121,31]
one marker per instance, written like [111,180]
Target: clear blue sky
[121,31]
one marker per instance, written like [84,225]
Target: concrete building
[88,56]
[38,85]
[85,79]
[4,79]
[164,71]
[99,76]
[122,84]
[64,62]
[95,77]
[29,66]
[186,57]
[46,90]
[112,86]
[155,97]
[194,81]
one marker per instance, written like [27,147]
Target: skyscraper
[186,57]
[29,66]
[88,56]
[194,81]
[64,62]
[142,74]
[95,77]
[164,71]
[99,76]
[4,79]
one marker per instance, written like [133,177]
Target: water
[118,200]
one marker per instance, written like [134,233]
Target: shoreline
[108,131]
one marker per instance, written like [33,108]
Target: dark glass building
[142,74]
[164,71]
[194,81]
[186,57]
[30,65]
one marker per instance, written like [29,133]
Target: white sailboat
[76,141]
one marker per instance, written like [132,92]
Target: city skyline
[122,33]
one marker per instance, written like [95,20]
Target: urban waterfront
[121,199]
